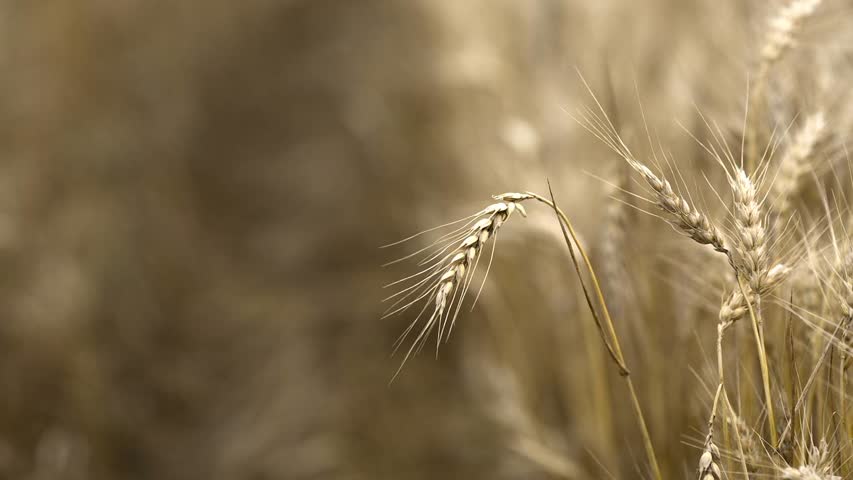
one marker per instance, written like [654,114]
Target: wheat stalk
[610,338]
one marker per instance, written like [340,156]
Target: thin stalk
[721,329]
[731,410]
[613,346]
[721,390]
[842,400]
[757,329]
[727,441]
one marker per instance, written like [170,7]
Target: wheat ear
[818,467]
[752,265]
[783,28]
[806,473]
[794,163]
[751,448]
[750,230]
[449,277]
[779,38]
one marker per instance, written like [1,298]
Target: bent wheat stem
[568,230]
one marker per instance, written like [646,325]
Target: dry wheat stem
[568,229]
[845,324]
[762,359]
[752,265]
[724,324]
[732,309]
[606,337]
[841,332]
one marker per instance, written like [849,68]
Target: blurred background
[192,197]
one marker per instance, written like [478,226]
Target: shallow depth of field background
[192,197]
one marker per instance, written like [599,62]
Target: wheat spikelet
[795,162]
[735,307]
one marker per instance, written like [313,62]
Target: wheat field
[421,239]
[722,264]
